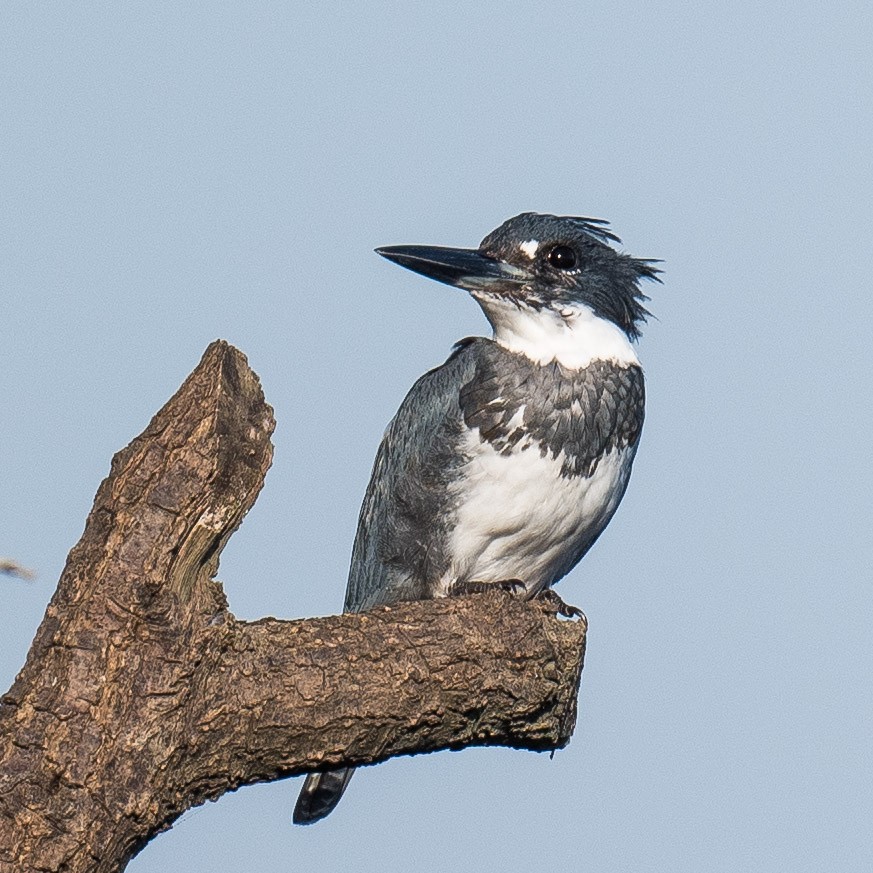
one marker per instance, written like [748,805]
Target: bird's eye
[562,258]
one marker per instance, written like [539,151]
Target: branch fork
[143,695]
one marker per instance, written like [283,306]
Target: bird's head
[536,263]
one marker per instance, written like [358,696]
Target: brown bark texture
[143,696]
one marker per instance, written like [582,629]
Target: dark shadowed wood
[142,695]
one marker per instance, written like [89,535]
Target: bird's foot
[554,601]
[462,588]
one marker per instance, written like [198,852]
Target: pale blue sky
[173,173]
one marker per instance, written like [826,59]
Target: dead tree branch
[142,695]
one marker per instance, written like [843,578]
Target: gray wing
[400,546]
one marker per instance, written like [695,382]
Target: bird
[503,465]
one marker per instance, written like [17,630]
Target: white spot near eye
[530,248]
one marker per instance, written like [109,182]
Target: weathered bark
[142,695]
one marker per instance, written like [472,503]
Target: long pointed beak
[464,268]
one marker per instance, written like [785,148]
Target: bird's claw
[476,586]
[554,601]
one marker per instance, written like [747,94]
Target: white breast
[519,518]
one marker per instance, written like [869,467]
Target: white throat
[573,336]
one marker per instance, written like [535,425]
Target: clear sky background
[173,173]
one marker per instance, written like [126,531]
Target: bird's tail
[321,792]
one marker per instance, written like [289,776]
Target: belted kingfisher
[504,465]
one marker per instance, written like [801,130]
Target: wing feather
[400,545]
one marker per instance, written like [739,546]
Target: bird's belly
[519,517]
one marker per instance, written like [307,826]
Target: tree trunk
[143,696]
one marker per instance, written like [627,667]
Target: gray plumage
[545,448]
[582,413]
[400,548]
